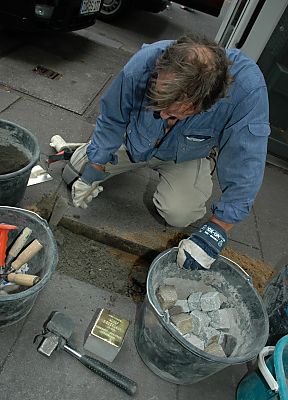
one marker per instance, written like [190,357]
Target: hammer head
[57,329]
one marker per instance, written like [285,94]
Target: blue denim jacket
[238,126]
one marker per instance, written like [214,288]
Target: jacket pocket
[195,145]
[259,129]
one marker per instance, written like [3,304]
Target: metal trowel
[38,175]
[57,330]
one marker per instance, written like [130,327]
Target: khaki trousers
[182,191]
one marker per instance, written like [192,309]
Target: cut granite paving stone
[210,301]
[62,376]
[167,296]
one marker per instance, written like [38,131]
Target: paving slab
[62,377]
[7,98]
[272,215]
[45,120]
[9,339]
[222,385]
[73,88]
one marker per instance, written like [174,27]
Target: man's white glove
[82,193]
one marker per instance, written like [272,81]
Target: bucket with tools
[19,154]
[28,257]
[169,351]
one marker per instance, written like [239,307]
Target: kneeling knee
[181,218]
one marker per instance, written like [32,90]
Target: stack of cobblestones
[201,319]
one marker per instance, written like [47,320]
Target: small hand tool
[18,245]
[21,279]
[4,231]
[55,334]
[26,255]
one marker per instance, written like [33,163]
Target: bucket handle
[269,378]
[247,277]
[164,315]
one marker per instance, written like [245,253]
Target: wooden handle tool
[27,254]
[18,244]
[23,279]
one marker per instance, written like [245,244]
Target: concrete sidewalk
[122,216]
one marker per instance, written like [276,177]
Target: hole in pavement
[101,265]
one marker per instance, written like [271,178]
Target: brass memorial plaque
[110,327]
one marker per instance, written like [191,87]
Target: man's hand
[202,248]
[82,193]
[87,187]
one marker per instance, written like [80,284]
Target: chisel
[18,245]
[26,254]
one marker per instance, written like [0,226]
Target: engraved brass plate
[110,327]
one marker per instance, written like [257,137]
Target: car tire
[112,9]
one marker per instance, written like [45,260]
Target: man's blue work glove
[202,248]
[87,187]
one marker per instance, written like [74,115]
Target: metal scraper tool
[38,175]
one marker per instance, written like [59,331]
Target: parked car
[58,15]
[112,9]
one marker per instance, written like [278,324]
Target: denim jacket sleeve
[242,156]
[115,107]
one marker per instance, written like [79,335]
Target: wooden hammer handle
[23,279]
[27,254]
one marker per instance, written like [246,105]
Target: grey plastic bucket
[13,185]
[164,350]
[14,307]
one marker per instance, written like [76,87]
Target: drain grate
[47,72]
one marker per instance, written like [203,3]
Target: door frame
[261,30]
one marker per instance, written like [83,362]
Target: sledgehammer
[57,330]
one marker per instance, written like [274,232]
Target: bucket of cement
[18,302]
[19,154]
[170,353]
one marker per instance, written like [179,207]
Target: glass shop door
[260,29]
